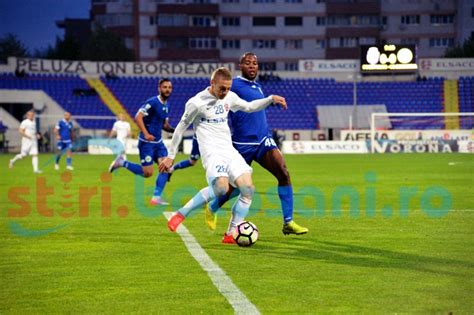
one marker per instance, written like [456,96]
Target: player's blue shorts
[64,145]
[254,152]
[151,152]
[195,153]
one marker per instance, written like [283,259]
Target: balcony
[339,7]
[352,31]
[188,31]
[190,9]
[342,53]
[188,54]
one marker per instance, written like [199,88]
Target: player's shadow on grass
[354,255]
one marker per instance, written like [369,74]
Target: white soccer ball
[245,234]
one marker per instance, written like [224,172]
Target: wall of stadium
[341,70]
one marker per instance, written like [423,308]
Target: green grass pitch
[388,234]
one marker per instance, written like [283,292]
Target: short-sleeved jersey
[208,115]
[30,130]
[154,115]
[122,128]
[248,128]
[64,129]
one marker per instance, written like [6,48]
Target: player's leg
[241,206]
[160,153]
[146,158]
[23,152]
[273,161]
[61,147]
[200,199]
[69,157]
[34,158]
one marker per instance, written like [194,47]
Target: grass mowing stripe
[239,302]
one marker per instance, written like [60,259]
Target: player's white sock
[200,199]
[240,209]
[34,161]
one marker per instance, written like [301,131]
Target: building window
[410,19]
[267,66]
[230,1]
[442,19]
[441,42]
[202,21]
[264,21]
[409,41]
[294,1]
[202,43]
[320,43]
[173,43]
[154,20]
[172,20]
[294,44]
[320,1]
[293,21]
[367,40]
[264,43]
[154,43]
[231,21]
[320,20]
[291,66]
[230,44]
[343,42]
[264,1]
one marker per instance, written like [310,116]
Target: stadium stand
[69,91]
[302,96]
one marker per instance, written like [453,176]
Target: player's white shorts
[229,164]
[123,141]
[29,147]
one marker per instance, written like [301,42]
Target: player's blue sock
[217,203]
[58,157]
[182,164]
[134,168]
[160,183]
[199,199]
[68,161]
[286,199]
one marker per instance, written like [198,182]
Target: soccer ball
[245,234]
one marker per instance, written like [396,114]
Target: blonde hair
[221,73]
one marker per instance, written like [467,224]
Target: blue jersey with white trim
[249,128]
[154,115]
[64,129]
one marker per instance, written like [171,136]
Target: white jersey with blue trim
[208,115]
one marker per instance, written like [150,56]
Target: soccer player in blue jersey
[252,138]
[65,135]
[151,118]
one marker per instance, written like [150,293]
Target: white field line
[221,280]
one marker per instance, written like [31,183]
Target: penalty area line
[239,302]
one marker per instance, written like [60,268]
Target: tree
[105,45]
[11,46]
[68,48]
[464,51]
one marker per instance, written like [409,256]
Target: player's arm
[141,125]
[56,132]
[188,117]
[167,127]
[113,132]
[23,132]
[257,105]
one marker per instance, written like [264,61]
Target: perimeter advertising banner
[155,68]
[358,135]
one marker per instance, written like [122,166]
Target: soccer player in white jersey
[208,111]
[122,131]
[29,141]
